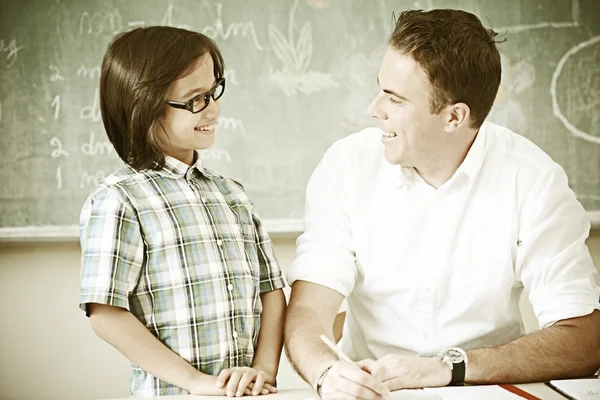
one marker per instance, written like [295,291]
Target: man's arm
[270,336]
[126,333]
[568,349]
[311,312]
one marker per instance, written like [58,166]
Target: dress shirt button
[230,287]
[219,242]
[235,334]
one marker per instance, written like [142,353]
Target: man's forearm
[308,354]
[126,333]
[270,336]
[568,349]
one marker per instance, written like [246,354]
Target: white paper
[581,389]
[408,394]
[487,392]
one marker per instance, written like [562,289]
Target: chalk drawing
[516,78]
[296,57]
[555,107]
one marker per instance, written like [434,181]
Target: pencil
[334,348]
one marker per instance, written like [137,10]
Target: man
[431,226]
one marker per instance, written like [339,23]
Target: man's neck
[441,169]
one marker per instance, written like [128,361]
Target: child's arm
[126,333]
[270,335]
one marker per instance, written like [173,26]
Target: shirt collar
[472,162]
[178,169]
[470,165]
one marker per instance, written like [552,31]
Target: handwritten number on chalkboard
[59,177]
[56,104]
[58,151]
[56,76]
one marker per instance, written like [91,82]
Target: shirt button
[235,334]
[230,287]
[219,242]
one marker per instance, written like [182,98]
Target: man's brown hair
[458,55]
[137,70]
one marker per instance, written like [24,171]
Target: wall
[47,348]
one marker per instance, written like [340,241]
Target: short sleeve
[325,252]
[553,261]
[111,249]
[271,277]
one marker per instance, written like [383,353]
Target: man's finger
[363,378]
[373,367]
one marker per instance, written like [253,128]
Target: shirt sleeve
[553,261]
[112,250]
[271,277]
[325,252]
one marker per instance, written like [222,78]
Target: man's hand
[409,372]
[245,381]
[354,381]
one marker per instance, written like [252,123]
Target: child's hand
[245,381]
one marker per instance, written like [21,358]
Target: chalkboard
[300,76]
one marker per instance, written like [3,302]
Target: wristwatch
[457,361]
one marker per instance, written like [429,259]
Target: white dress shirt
[426,269]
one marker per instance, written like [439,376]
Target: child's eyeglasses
[200,102]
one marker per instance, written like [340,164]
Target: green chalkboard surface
[300,75]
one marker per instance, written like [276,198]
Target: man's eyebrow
[388,91]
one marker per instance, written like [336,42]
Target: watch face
[454,355]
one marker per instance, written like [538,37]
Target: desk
[537,389]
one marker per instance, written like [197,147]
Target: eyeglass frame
[189,105]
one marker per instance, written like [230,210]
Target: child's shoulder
[115,184]
[230,187]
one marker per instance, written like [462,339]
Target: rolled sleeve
[554,263]
[325,251]
[111,250]
[271,277]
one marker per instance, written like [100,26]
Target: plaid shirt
[183,250]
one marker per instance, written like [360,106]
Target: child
[177,271]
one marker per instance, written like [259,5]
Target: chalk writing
[215,154]
[56,105]
[59,177]
[88,179]
[56,76]
[58,151]
[96,148]
[88,72]
[98,23]
[217,30]
[12,49]
[168,19]
[233,124]
[230,77]
[92,112]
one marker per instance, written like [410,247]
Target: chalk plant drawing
[296,56]
[507,110]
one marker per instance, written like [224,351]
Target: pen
[334,348]
[340,354]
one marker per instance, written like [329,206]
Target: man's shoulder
[505,146]
[357,148]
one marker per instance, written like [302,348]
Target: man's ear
[456,117]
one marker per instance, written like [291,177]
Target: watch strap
[458,374]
